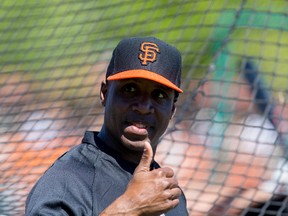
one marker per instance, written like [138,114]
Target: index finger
[165,171]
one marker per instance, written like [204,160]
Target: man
[113,172]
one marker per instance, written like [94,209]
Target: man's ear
[103,93]
[173,111]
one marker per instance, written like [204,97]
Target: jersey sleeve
[65,189]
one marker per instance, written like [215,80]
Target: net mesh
[228,141]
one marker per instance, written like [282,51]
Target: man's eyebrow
[138,81]
[163,87]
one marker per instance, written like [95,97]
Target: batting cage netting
[228,140]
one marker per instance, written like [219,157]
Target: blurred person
[247,145]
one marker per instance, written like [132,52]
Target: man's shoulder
[83,154]
[76,163]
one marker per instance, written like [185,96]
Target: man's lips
[139,125]
[136,130]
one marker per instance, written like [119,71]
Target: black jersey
[84,181]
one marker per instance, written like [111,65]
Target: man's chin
[134,144]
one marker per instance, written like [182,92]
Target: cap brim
[145,74]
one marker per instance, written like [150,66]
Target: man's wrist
[119,208]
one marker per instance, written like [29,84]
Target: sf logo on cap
[149,52]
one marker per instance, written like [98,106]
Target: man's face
[137,110]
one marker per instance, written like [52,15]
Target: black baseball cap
[147,58]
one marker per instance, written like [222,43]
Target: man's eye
[159,94]
[129,88]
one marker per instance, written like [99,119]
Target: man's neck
[116,146]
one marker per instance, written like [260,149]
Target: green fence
[227,142]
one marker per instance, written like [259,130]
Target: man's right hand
[150,192]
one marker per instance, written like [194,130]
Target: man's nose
[143,105]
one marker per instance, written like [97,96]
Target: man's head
[143,80]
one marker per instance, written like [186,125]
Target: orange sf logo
[149,54]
